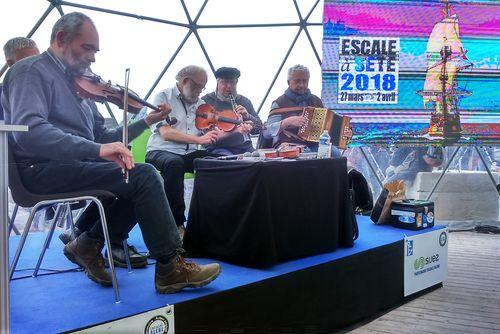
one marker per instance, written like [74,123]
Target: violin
[285,150]
[93,87]
[207,118]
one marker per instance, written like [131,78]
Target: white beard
[188,95]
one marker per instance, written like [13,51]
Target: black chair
[24,198]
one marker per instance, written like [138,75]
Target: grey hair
[297,68]
[70,24]
[188,72]
[17,43]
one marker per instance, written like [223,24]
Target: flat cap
[227,73]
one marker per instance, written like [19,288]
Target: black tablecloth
[259,213]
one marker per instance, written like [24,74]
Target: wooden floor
[468,302]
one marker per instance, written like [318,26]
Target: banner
[414,72]
[425,260]
[368,70]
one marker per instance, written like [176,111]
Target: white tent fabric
[155,38]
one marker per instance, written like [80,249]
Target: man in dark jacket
[16,49]
[226,97]
[67,148]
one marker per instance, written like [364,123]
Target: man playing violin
[67,148]
[225,97]
[283,127]
[173,148]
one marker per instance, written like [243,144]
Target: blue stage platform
[70,301]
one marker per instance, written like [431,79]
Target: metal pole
[4,236]
[279,70]
[442,174]
[303,23]
[371,167]
[495,184]
[33,30]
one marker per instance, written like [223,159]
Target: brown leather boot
[87,252]
[179,274]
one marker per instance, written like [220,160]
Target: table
[4,224]
[259,213]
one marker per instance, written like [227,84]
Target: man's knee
[147,172]
[175,164]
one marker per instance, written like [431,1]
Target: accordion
[320,119]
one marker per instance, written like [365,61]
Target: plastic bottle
[325,146]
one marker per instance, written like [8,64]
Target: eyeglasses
[196,85]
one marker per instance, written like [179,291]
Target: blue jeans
[142,200]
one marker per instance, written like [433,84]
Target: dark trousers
[172,168]
[141,200]
[121,211]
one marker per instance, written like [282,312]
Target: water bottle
[325,147]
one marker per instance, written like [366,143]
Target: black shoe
[68,235]
[137,260]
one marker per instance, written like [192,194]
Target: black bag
[363,198]
[359,201]
[379,205]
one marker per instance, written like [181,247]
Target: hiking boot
[137,260]
[182,230]
[179,274]
[86,252]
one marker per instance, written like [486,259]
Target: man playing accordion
[283,125]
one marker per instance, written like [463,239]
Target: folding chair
[23,197]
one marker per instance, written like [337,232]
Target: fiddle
[207,118]
[93,87]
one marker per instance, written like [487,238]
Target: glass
[196,85]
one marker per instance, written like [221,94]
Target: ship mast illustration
[445,58]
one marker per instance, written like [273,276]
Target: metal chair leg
[71,221]
[60,212]
[47,240]
[12,226]
[108,247]
[23,240]
[127,257]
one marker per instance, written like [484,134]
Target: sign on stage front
[159,321]
[425,260]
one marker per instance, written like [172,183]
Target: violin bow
[125,120]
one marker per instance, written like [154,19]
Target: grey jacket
[37,93]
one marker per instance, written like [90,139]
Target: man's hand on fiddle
[245,127]
[158,116]
[240,110]
[118,153]
[208,138]
[293,122]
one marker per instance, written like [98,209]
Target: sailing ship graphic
[446,56]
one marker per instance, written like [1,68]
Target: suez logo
[421,262]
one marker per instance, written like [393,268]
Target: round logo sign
[430,217]
[157,325]
[442,238]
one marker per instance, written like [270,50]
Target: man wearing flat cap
[225,97]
